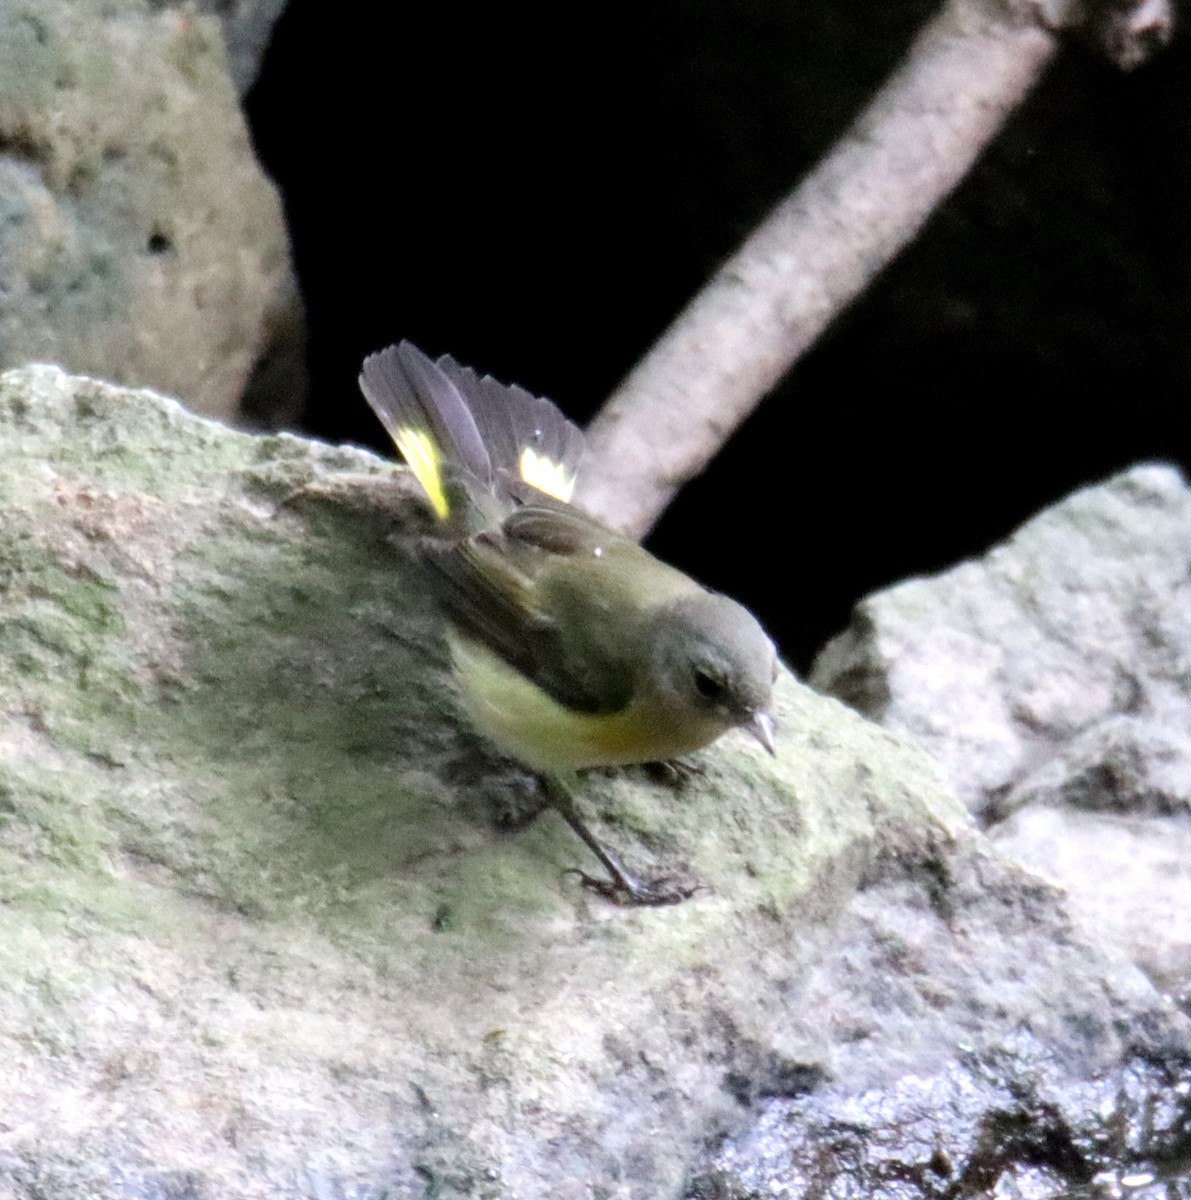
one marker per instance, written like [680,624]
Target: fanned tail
[448,422]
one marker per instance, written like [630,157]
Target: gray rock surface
[247,28]
[1052,682]
[1128,877]
[260,939]
[1083,615]
[139,238]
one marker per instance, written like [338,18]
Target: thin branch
[965,74]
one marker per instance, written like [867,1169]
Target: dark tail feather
[407,391]
[479,428]
[510,419]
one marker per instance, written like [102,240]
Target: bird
[573,646]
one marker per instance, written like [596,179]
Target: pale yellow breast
[531,726]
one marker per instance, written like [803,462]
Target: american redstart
[573,646]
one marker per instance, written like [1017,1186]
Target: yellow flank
[546,475]
[421,455]
[527,723]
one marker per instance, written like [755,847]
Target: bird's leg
[622,887]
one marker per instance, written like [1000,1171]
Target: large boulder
[260,937]
[139,238]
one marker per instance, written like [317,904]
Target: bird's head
[715,666]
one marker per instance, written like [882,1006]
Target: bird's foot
[621,886]
[630,892]
[673,773]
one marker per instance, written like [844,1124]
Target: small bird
[573,646]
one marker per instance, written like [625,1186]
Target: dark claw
[629,892]
[620,887]
[673,773]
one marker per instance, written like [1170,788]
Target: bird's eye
[707,685]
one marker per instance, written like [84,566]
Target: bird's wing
[501,588]
[546,525]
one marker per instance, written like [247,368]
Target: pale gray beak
[761,727]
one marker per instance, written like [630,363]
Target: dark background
[540,195]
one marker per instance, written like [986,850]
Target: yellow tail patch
[545,474]
[422,457]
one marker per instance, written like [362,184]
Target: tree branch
[967,71]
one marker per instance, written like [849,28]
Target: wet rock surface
[977,1048]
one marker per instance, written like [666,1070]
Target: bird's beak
[761,727]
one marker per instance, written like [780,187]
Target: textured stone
[1084,614]
[139,239]
[247,28]
[1052,682]
[259,937]
[257,926]
[977,1048]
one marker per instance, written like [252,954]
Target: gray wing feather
[491,600]
[486,582]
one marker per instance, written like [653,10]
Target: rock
[258,936]
[247,28]
[139,238]
[1082,615]
[1052,680]
[960,1065]
[1128,878]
